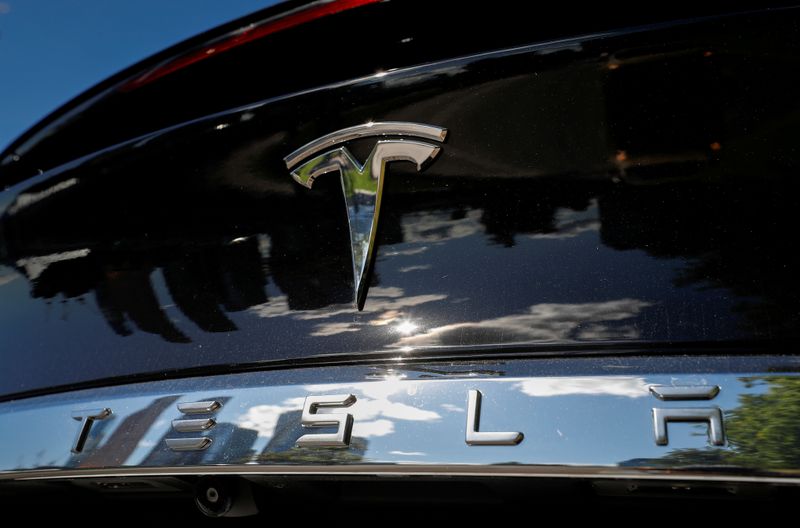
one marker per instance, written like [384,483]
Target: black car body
[602,248]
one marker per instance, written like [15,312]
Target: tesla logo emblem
[363,184]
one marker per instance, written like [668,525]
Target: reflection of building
[645,174]
[96,436]
[230,445]
[125,438]
[282,446]
[128,295]
[287,431]
[201,283]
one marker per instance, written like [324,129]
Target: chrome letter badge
[363,184]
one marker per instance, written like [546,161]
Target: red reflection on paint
[244,36]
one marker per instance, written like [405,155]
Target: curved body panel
[631,190]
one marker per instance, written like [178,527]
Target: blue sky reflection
[52,50]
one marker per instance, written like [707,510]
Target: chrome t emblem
[363,184]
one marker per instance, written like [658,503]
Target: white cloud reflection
[626,386]
[374,413]
[264,418]
[406,252]
[386,306]
[570,230]
[570,223]
[7,276]
[373,428]
[542,322]
[418,267]
[329,329]
[27,199]
[35,266]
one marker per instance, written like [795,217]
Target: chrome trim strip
[559,472]
[579,416]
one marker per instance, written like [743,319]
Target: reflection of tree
[763,432]
[725,243]
[209,249]
[765,429]
[721,245]
[230,443]
[318,455]
[630,145]
[541,322]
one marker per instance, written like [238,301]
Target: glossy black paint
[336,49]
[628,189]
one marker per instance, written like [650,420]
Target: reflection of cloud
[374,428]
[35,266]
[374,413]
[329,329]
[27,199]
[570,223]
[407,453]
[571,230]
[418,267]
[607,386]
[381,291]
[366,409]
[275,307]
[264,418]
[542,322]
[436,226]
[406,252]
[380,390]
[378,304]
[384,306]
[5,279]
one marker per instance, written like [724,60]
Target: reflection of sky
[584,290]
[52,50]
[542,322]
[570,267]
[546,289]
[576,420]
